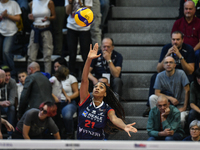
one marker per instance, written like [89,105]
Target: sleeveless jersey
[92,120]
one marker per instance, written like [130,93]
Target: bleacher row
[140,29]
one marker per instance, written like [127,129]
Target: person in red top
[189,25]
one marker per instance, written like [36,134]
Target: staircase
[140,29]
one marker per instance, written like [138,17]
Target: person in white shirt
[70,85]
[9,15]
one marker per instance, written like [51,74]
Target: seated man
[189,25]
[164,121]
[182,53]
[181,7]
[109,65]
[174,84]
[8,90]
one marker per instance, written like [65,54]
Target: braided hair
[114,103]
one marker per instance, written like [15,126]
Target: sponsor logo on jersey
[85,113]
[81,130]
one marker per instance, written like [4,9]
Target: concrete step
[122,135]
[158,39]
[139,52]
[136,80]
[135,94]
[145,3]
[141,122]
[139,65]
[145,12]
[140,26]
[134,108]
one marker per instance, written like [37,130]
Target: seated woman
[194,131]
[101,113]
[195,98]
[35,121]
[68,109]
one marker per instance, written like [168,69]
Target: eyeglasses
[44,111]
[170,62]
[194,129]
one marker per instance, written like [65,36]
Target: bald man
[37,89]
[189,25]
[164,122]
[2,77]
[174,84]
[33,67]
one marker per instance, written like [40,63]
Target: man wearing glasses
[174,84]
[183,55]
[194,131]
[189,25]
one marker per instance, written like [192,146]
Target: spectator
[94,112]
[22,77]
[189,25]
[105,4]
[197,4]
[194,131]
[3,121]
[182,53]
[76,32]
[164,121]
[7,99]
[8,126]
[56,80]
[109,64]
[22,3]
[95,26]
[37,89]
[70,85]
[34,122]
[57,26]
[174,84]
[10,14]
[42,12]
[195,98]
[2,77]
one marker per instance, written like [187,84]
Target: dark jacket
[37,89]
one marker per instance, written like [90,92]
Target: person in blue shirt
[103,111]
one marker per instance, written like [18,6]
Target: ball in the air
[84,17]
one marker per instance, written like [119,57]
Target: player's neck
[97,102]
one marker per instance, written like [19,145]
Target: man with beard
[37,89]
[173,84]
[189,25]
[8,90]
[183,55]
